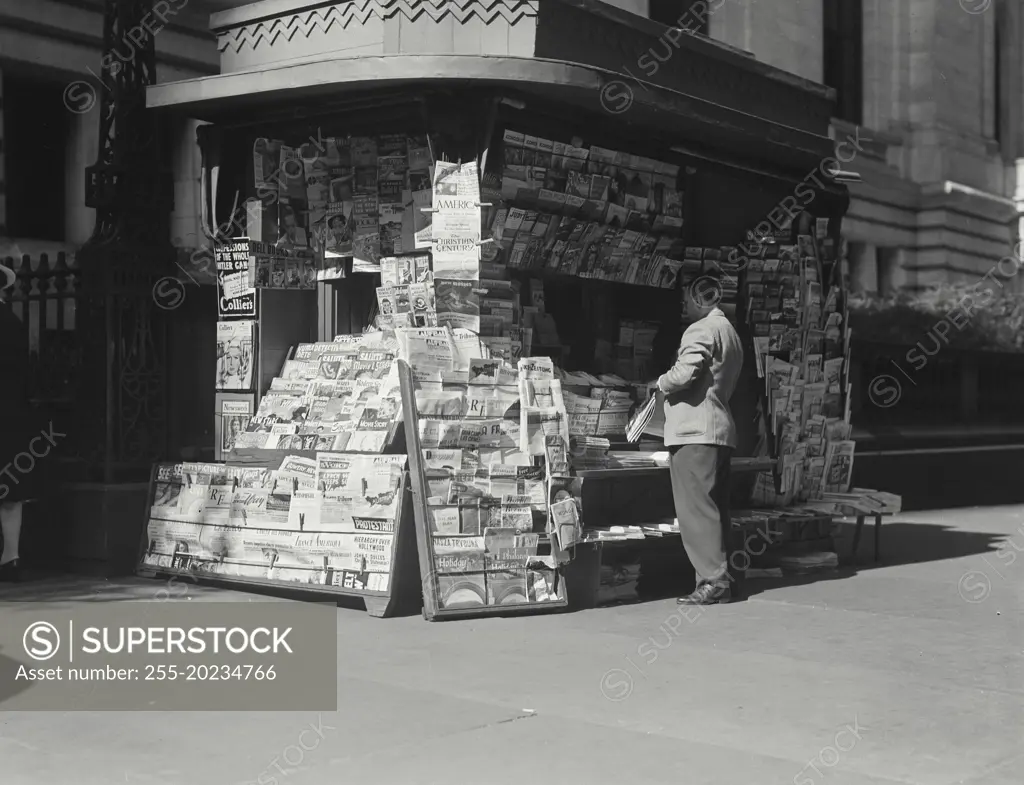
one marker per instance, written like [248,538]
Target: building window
[689,15]
[35,138]
[843,51]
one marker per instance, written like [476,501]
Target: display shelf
[553,275]
[432,609]
[402,577]
[739,465]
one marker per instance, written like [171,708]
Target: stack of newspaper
[589,452]
[326,520]
[860,501]
[613,533]
[634,459]
[597,406]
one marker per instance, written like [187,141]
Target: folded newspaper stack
[863,501]
[635,459]
[589,452]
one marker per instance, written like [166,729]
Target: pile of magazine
[801,345]
[861,501]
[598,405]
[492,433]
[339,395]
[590,212]
[342,197]
[327,520]
[410,296]
[589,452]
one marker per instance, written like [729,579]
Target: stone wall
[941,188]
[786,35]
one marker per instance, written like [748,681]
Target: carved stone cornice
[311,21]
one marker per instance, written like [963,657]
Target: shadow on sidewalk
[666,572]
[901,542]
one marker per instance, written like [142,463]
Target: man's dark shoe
[707,594]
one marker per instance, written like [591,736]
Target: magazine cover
[292,227]
[318,194]
[456,220]
[396,270]
[234,418]
[365,238]
[236,358]
[421,301]
[391,173]
[279,407]
[457,303]
[456,245]
[236,279]
[266,158]
[390,228]
[338,236]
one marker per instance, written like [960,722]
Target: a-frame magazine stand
[400,595]
[433,609]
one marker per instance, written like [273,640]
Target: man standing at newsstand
[700,434]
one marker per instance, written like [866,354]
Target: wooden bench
[878,535]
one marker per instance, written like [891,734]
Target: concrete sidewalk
[907,672]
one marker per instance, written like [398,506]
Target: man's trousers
[700,487]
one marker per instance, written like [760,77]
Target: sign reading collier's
[236,280]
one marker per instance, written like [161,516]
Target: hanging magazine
[236,356]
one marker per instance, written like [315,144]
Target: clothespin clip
[484,242]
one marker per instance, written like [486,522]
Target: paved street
[908,672]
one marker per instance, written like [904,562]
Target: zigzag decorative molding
[358,11]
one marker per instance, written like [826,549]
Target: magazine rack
[432,601]
[399,595]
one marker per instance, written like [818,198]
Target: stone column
[894,271]
[1011,23]
[186,229]
[886,63]
[80,152]
[863,259]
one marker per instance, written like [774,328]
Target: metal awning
[643,106]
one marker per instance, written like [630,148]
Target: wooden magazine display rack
[444,584]
[384,593]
